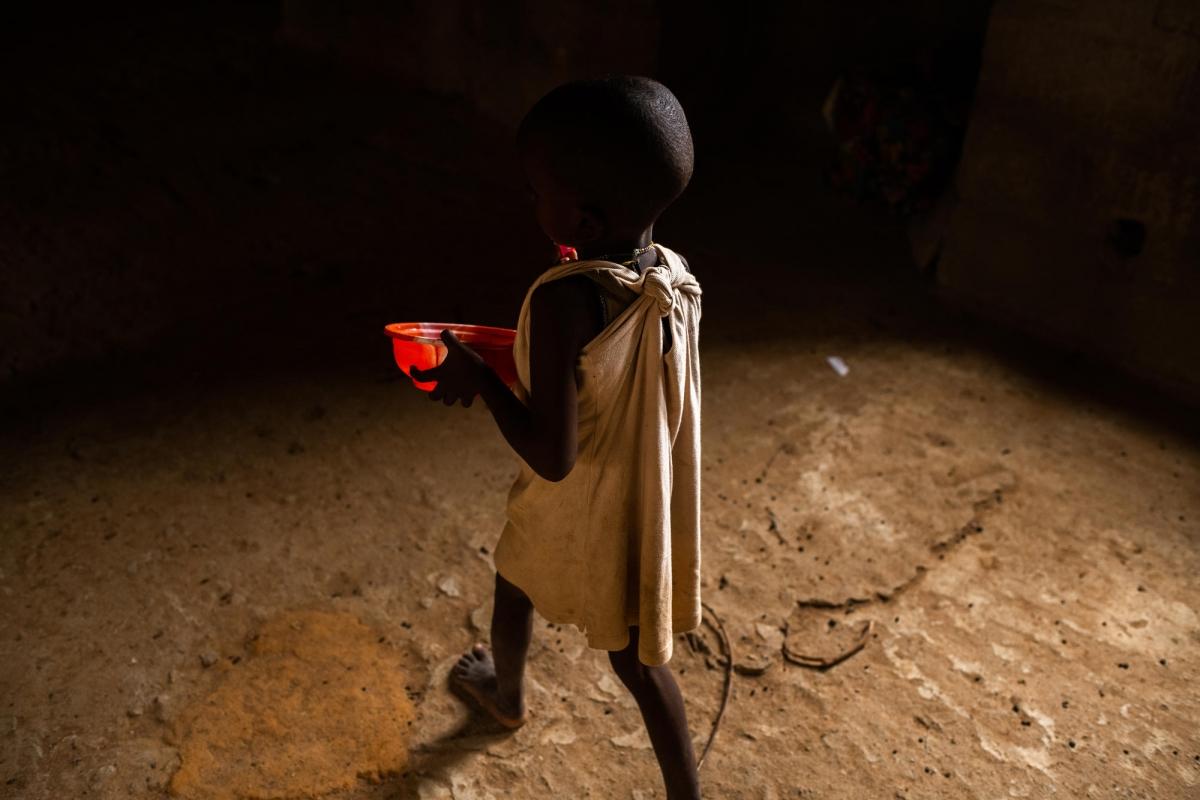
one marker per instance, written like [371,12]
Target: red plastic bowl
[419,344]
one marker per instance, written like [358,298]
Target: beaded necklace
[566,254]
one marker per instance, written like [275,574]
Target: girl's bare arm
[563,318]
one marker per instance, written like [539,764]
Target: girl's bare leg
[495,678]
[661,704]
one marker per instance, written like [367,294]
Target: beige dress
[617,542]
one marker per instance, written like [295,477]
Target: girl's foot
[475,674]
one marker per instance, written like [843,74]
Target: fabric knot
[656,283]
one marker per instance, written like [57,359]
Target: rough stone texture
[1087,113]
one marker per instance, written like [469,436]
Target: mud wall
[1078,215]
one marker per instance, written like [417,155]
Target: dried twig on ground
[727,658]
[822,663]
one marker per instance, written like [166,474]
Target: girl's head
[605,157]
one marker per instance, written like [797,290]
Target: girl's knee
[510,594]
[627,667]
[625,663]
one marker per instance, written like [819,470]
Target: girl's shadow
[439,759]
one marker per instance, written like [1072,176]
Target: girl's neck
[619,245]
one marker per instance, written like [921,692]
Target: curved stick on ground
[820,663]
[727,656]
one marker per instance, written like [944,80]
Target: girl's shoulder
[566,306]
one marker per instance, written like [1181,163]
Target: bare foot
[475,674]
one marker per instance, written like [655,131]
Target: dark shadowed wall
[186,177]
[501,56]
[173,172]
[1078,216]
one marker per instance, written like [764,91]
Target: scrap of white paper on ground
[838,365]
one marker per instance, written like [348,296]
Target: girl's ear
[590,225]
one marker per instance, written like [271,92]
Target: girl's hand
[459,376]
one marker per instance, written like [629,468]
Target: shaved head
[622,143]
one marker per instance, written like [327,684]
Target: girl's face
[557,207]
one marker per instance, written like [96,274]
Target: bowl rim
[393,330]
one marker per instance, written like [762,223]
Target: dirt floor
[1026,560]
[250,579]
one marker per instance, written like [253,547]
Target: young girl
[604,519]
